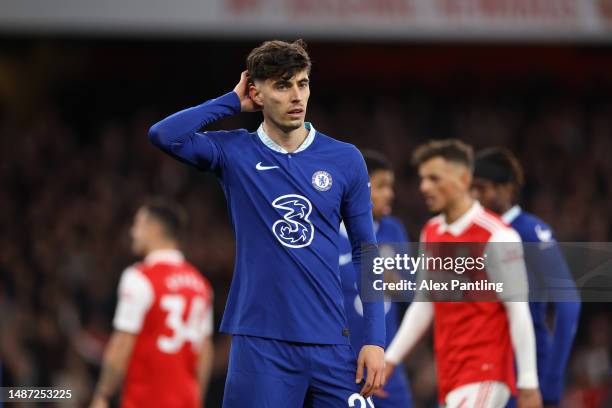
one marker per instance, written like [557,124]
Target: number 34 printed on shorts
[356,400]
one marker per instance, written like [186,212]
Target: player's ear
[507,191]
[466,177]
[156,229]
[255,94]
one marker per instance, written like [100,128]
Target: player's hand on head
[242,90]
[529,398]
[372,359]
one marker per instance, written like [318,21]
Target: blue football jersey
[544,263]
[388,230]
[285,210]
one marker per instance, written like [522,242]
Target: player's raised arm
[179,134]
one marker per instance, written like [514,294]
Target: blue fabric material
[266,373]
[286,211]
[544,263]
[389,231]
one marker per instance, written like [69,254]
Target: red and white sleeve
[135,298]
[505,263]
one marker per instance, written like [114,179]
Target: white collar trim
[265,139]
[343,231]
[511,214]
[164,255]
[462,223]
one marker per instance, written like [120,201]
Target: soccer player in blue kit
[288,187]
[498,178]
[389,230]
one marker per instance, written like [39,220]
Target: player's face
[493,196]
[443,183]
[485,192]
[382,182]
[140,232]
[284,101]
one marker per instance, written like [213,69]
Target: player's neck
[505,208]
[289,140]
[162,245]
[457,209]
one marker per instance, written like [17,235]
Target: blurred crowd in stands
[75,163]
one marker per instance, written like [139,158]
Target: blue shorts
[399,391]
[268,373]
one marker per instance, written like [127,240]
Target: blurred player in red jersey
[474,340]
[163,322]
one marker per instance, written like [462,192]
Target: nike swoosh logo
[258,166]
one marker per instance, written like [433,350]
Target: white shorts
[487,394]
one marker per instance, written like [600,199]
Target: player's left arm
[561,289]
[115,362]
[356,211]
[566,319]
[205,364]
[206,356]
[135,298]
[505,264]
[372,354]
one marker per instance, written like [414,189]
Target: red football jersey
[168,304]
[471,339]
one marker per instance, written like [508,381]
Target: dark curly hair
[499,165]
[278,59]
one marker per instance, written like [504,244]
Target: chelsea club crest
[322,180]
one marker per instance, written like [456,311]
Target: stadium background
[76,104]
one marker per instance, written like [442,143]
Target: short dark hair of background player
[453,150]
[376,161]
[499,166]
[169,214]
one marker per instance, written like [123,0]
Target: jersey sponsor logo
[260,166]
[322,180]
[295,229]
